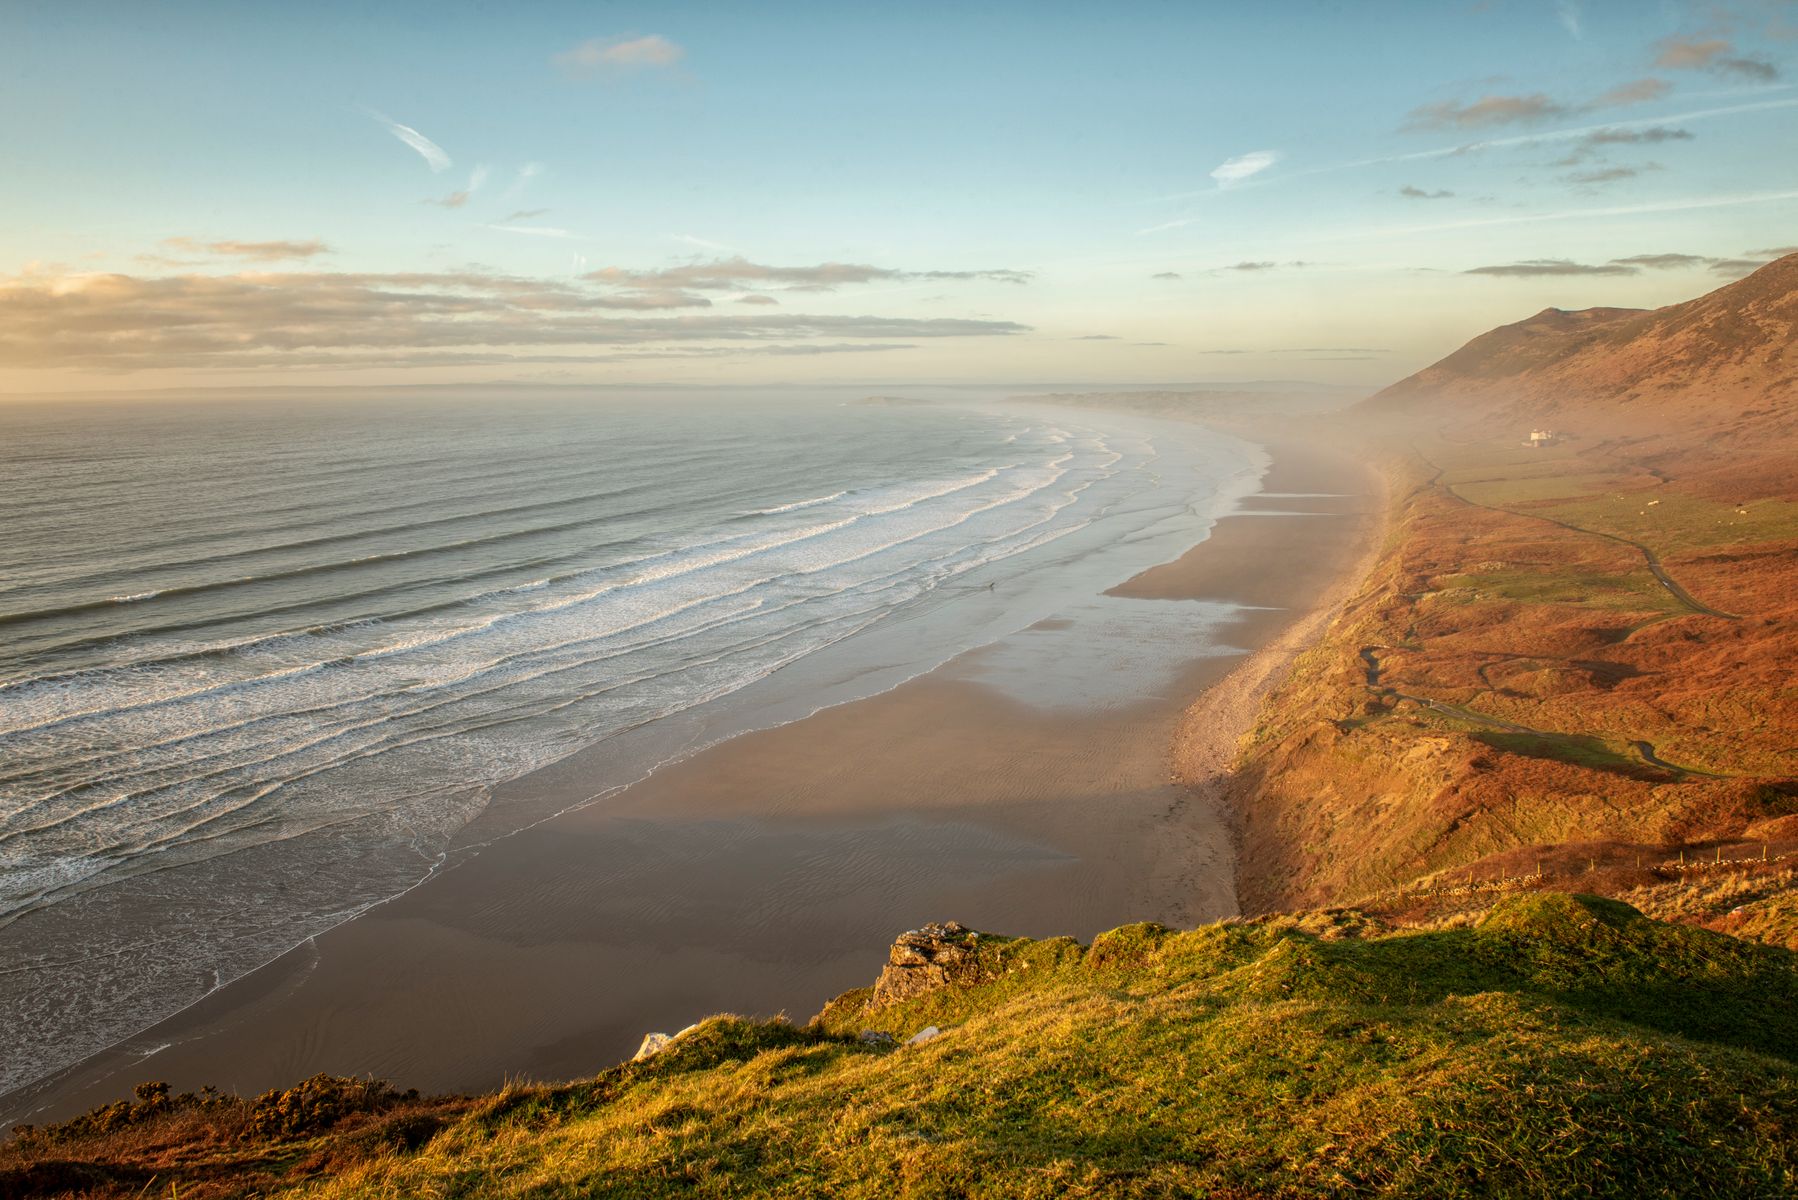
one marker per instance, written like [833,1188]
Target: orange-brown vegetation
[1723,368]
[207,1144]
[1571,663]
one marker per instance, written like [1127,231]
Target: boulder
[655,1043]
[929,1033]
[923,960]
[875,1037]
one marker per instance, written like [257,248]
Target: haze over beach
[1222,579]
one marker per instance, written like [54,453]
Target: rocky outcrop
[655,1043]
[936,956]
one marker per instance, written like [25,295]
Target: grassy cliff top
[1564,1045]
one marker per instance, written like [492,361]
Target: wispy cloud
[1533,109]
[525,214]
[275,251]
[1551,266]
[1176,223]
[700,243]
[1600,175]
[458,198]
[1652,135]
[1664,262]
[428,150]
[733,274]
[1486,112]
[1686,204]
[1640,91]
[1568,13]
[1165,275]
[1712,54]
[1636,263]
[1588,147]
[1543,137]
[548,231]
[521,180]
[1417,193]
[1233,171]
[619,53]
[1750,262]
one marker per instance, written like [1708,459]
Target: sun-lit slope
[1573,660]
[1563,1046]
[1515,688]
[1722,367]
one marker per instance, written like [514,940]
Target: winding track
[1645,750]
[1369,655]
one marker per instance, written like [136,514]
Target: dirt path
[1649,557]
[1644,750]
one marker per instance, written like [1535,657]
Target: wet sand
[1032,787]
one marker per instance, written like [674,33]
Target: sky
[242,193]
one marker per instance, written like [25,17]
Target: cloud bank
[1635,264]
[736,274]
[116,322]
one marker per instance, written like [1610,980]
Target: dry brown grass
[1521,665]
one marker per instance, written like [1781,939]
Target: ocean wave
[303,750]
[794,506]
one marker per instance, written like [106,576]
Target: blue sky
[210,193]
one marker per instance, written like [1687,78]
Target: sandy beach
[1038,786]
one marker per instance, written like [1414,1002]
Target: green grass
[1629,591]
[1579,749]
[1564,1046]
[1678,523]
[1510,490]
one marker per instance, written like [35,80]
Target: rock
[936,956]
[655,1043]
[929,1033]
[875,1037]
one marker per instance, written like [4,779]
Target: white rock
[655,1043]
[929,1033]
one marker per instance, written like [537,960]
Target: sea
[264,662]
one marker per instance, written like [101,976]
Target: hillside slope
[1564,1046]
[1571,660]
[1722,367]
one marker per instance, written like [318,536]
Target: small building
[1543,437]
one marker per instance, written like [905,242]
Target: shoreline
[740,877]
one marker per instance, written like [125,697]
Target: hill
[1723,367]
[1563,1045]
[1572,660]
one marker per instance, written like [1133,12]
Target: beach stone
[929,1033]
[923,960]
[875,1037]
